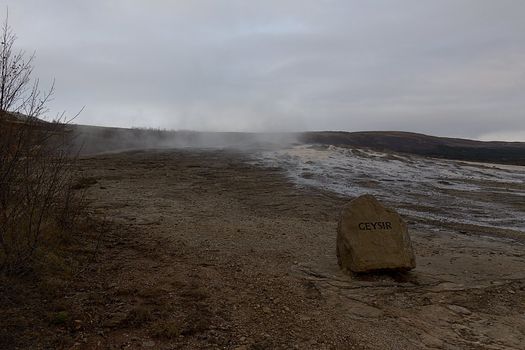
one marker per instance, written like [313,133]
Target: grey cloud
[453,68]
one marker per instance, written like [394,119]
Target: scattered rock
[431,341]
[78,324]
[459,309]
[148,343]
[372,237]
[115,319]
[361,310]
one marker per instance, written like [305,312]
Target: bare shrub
[37,202]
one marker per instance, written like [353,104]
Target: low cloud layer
[442,67]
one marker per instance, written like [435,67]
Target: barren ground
[205,251]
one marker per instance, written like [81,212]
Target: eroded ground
[207,251]
[212,252]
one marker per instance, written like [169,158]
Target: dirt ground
[205,251]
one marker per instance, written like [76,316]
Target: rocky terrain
[206,250]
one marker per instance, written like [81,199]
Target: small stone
[459,309]
[148,344]
[431,341]
[115,319]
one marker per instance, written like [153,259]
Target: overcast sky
[441,67]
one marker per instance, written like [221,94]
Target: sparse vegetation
[38,204]
[139,316]
[60,318]
[166,329]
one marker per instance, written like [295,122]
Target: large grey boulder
[372,237]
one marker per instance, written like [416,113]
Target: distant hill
[16,117]
[18,125]
[432,146]
[107,139]
[98,139]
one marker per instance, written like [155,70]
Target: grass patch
[139,316]
[59,318]
[166,329]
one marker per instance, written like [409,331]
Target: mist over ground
[446,68]
[91,140]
